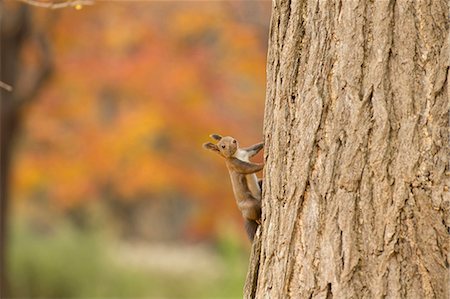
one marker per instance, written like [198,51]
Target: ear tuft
[210,146]
[215,136]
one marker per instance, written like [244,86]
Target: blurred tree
[25,79]
[123,119]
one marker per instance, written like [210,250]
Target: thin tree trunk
[355,201]
[12,35]
[15,30]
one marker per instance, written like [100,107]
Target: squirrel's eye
[234,141]
[223,146]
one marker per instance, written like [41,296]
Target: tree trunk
[355,201]
[15,28]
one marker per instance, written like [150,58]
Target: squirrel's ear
[215,136]
[210,146]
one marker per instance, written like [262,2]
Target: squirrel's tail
[250,227]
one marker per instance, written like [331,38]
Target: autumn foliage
[136,89]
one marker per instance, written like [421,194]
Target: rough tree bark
[356,201]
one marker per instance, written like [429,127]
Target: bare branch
[59,4]
[5,86]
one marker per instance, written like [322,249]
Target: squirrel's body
[245,185]
[252,179]
[248,204]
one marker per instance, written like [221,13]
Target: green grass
[68,263]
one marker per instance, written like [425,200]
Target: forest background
[111,193]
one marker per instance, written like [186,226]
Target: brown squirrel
[246,187]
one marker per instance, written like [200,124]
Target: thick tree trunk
[355,201]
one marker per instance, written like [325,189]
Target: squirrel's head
[226,146]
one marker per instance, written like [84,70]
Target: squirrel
[246,187]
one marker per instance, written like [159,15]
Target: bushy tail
[250,227]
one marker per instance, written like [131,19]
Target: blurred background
[106,189]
